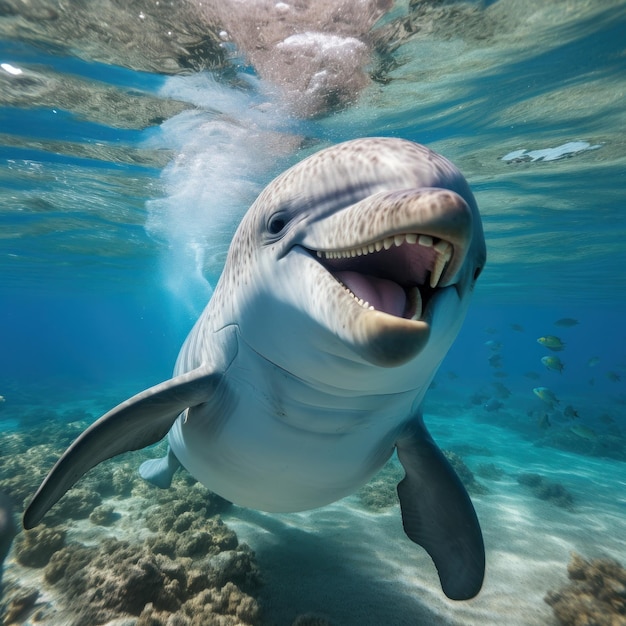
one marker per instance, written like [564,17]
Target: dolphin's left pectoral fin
[160,472]
[437,514]
[136,423]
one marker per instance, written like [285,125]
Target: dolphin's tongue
[383,295]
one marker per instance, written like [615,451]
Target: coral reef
[104,515]
[544,489]
[465,474]
[20,604]
[490,471]
[227,606]
[33,548]
[77,503]
[380,492]
[117,579]
[183,499]
[602,444]
[190,571]
[596,595]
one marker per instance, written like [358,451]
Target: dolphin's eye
[276,224]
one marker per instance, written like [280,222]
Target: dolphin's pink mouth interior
[396,275]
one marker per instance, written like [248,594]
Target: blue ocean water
[121,186]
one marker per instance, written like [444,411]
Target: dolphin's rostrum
[345,285]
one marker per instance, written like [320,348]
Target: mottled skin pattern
[351,172]
[289,312]
[290,392]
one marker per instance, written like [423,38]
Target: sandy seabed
[354,566]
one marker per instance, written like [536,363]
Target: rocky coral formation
[104,515]
[184,500]
[190,572]
[490,471]
[596,595]
[33,548]
[597,444]
[117,579]
[465,474]
[544,489]
[380,492]
[20,603]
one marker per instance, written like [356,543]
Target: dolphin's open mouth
[396,275]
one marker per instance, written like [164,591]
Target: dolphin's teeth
[444,249]
[444,254]
[417,303]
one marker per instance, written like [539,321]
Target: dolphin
[344,286]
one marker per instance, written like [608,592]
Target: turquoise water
[126,162]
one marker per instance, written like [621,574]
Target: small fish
[452,375]
[544,422]
[495,360]
[501,391]
[551,342]
[493,345]
[570,412]
[543,393]
[2,399]
[479,398]
[518,328]
[491,330]
[605,418]
[500,374]
[593,361]
[532,375]
[614,377]
[584,432]
[553,363]
[566,322]
[492,405]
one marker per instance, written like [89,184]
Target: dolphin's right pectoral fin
[159,472]
[438,514]
[138,422]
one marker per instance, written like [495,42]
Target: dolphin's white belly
[281,450]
